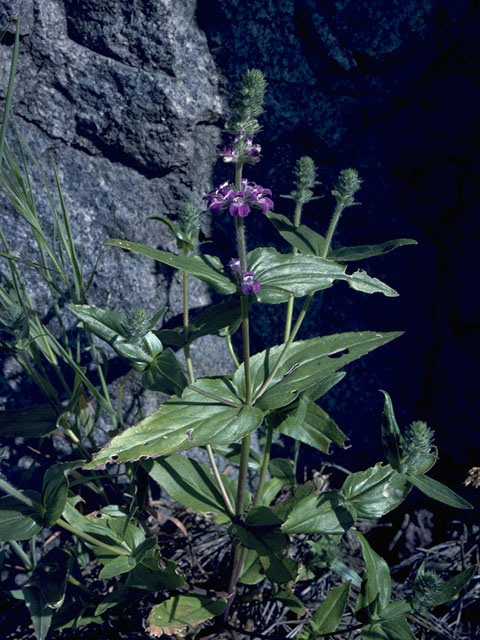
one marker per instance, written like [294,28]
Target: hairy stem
[290,303]
[331,229]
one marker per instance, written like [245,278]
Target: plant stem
[331,229]
[264,469]
[191,378]
[232,351]
[119,551]
[121,389]
[290,303]
[21,554]
[18,495]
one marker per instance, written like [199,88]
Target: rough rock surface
[128,98]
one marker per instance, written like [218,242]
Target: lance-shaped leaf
[54,493]
[29,422]
[306,240]
[182,423]
[375,491]
[173,616]
[155,574]
[438,491]
[305,364]
[377,585]
[328,616]
[310,424]
[449,589]
[352,254]
[324,513]
[397,629]
[224,317]
[112,327]
[391,436]
[192,484]
[165,374]
[206,268]
[282,276]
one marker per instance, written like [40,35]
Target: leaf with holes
[182,423]
[307,363]
[173,616]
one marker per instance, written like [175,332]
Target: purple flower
[229,154]
[238,206]
[239,202]
[234,265]
[249,284]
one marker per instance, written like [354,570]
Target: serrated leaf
[282,276]
[182,423]
[351,254]
[328,616]
[452,587]
[206,268]
[377,585]
[324,513]
[192,484]
[438,491]
[30,422]
[375,491]
[165,374]
[307,363]
[306,240]
[176,614]
[310,424]
[18,521]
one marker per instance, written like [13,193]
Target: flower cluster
[239,201]
[248,283]
[240,149]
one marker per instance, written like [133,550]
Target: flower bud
[189,219]
[426,588]
[347,185]
[305,174]
[248,104]
[417,448]
[137,325]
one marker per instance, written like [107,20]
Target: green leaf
[398,629]
[54,493]
[283,469]
[165,374]
[307,363]
[45,590]
[271,489]
[232,452]
[318,390]
[30,422]
[452,587]
[282,276]
[373,632]
[261,532]
[312,425]
[351,254]
[375,491]
[391,436]
[182,423]
[377,585]
[183,239]
[116,597]
[324,513]
[176,614]
[224,317]
[252,572]
[290,600]
[438,491]
[111,326]
[306,240]
[18,521]
[192,484]
[117,566]
[328,616]
[155,574]
[206,268]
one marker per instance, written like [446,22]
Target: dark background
[129,99]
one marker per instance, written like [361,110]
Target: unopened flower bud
[137,325]
[347,185]
[189,219]
[417,448]
[305,174]
[248,104]
[426,589]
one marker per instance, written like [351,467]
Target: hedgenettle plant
[274,391]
